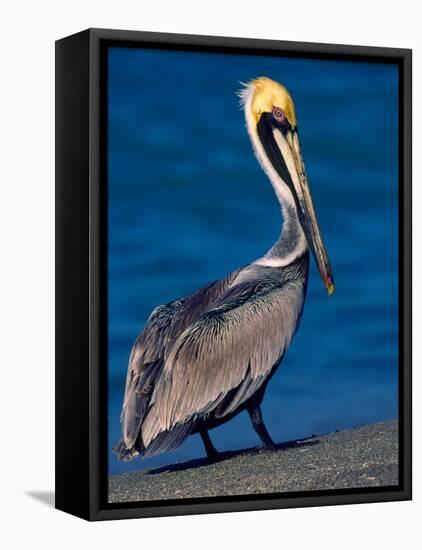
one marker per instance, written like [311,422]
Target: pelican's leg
[209,447]
[259,426]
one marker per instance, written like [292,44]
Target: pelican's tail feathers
[123,452]
[168,441]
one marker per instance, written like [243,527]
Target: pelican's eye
[278,114]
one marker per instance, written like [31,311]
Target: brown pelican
[202,359]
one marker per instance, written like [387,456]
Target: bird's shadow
[226,455]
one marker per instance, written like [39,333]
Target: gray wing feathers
[168,441]
[152,347]
[145,364]
[246,390]
[136,400]
[222,350]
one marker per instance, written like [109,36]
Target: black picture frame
[81,275]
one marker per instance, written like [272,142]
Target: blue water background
[188,203]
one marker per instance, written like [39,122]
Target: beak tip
[329,283]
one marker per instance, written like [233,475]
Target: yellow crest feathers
[266,94]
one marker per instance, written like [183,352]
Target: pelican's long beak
[283,150]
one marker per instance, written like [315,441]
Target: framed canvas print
[233,274]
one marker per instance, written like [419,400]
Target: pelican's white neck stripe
[282,191]
[288,157]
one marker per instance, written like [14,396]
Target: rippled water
[188,203]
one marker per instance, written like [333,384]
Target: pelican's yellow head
[268,95]
[272,126]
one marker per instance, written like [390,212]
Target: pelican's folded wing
[151,349]
[145,364]
[222,358]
